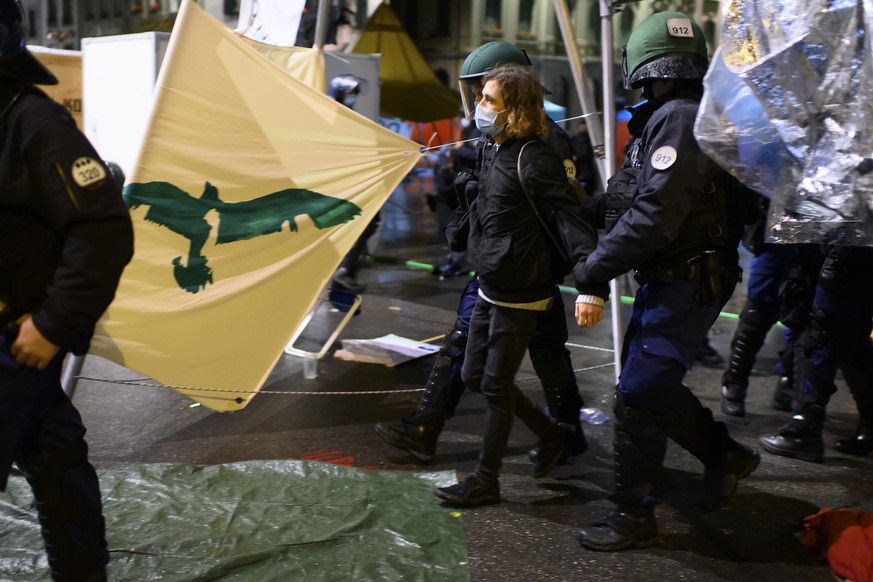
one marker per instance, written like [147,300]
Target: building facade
[445,31]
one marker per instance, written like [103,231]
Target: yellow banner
[250,188]
[305,64]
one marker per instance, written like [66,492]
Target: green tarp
[259,521]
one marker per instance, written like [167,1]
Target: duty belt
[704,270]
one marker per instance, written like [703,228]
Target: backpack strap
[558,247]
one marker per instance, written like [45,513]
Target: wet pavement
[531,534]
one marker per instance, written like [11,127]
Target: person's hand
[588,315]
[30,348]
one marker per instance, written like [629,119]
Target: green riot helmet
[16,62]
[666,45]
[479,62]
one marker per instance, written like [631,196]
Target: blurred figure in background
[586,162]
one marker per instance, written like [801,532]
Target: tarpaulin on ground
[410,90]
[249,189]
[257,520]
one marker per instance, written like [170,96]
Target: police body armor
[713,228]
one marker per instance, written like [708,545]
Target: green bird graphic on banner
[175,209]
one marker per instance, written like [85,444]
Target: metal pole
[606,11]
[589,107]
[70,375]
[321,23]
[601,133]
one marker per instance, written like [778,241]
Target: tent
[410,90]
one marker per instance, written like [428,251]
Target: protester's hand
[588,315]
[30,348]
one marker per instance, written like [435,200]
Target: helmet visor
[624,72]
[471,94]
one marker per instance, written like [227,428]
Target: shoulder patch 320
[663,157]
[88,173]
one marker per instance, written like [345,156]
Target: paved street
[531,534]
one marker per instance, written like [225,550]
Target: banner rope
[146,384]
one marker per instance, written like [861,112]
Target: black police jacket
[508,245]
[65,232]
[669,202]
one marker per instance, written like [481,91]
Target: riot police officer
[674,218]
[780,287]
[418,432]
[837,337]
[65,236]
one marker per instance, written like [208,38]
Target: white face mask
[485,119]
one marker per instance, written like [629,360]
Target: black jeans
[498,339]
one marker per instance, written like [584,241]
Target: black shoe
[550,452]
[784,394]
[619,531]
[860,444]
[794,443]
[345,280]
[733,400]
[417,435]
[721,479]
[472,492]
[708,357]
[576,445]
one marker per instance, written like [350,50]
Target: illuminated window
[492,25]
[526,20]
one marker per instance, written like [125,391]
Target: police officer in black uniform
[675,218]
[418,432]
[65,237]
[837,337]
[781,284]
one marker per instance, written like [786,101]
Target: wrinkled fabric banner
[304,64]
[787,109]
[257,520]
[249,190]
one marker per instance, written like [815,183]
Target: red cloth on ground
[845,539]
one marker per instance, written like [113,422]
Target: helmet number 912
[680,27]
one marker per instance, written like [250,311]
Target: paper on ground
[389,350]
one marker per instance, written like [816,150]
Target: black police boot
[860,444]
[633,525]
[801,437]
[857,369]
[418,432]
[707,356]
[621,530]
[551,450]
[756,319]
[733,399]
[474,491]
[725,461]
[346,279]
[783,395]
[720,478]
[67,498]
[555,371]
